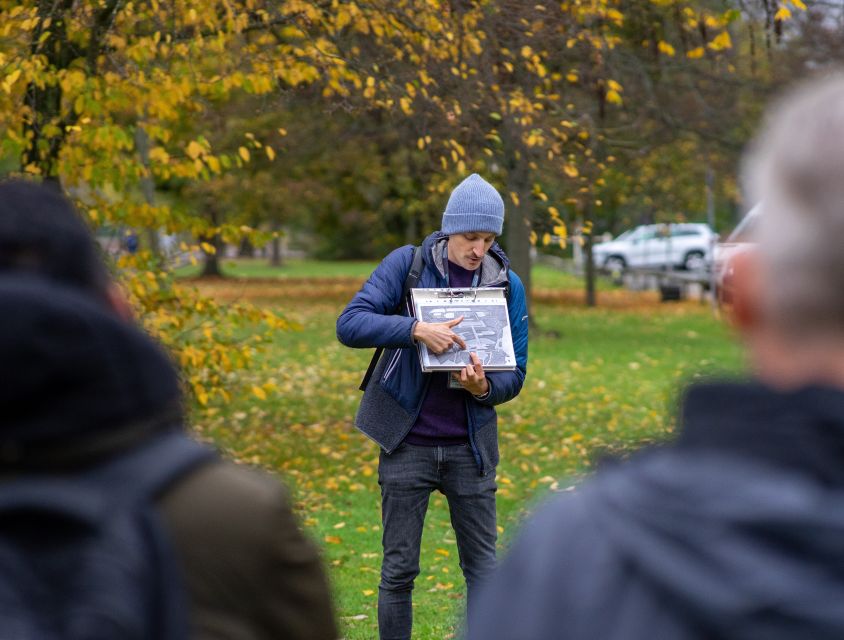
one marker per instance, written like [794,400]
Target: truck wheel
[615,264]
[694,261]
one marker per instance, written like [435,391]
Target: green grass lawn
[599,382]
[544,277]
[260,268]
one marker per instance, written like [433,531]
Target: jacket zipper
[392,366]
[394,361]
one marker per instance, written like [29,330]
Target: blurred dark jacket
[392,401]
[735,531]
[80,386]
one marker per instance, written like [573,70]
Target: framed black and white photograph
[485,327]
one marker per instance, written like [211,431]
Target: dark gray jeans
[407,478]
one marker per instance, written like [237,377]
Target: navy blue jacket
[394,396]
[735,531]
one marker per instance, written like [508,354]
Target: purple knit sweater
[442,418]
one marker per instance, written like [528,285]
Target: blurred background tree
[338,127]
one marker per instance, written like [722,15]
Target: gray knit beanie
[474,205]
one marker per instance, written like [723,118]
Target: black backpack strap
[410,281]
[151,468]
[413,275]
[141,473]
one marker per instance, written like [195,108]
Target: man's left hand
[472,377]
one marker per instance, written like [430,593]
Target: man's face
[468,249]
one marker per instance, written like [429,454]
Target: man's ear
[117,302]
[742,289]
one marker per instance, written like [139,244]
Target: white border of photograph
[485,327]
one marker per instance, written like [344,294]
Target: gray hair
[796,169]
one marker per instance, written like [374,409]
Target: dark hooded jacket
[392,400]
[79,387]
[735,531]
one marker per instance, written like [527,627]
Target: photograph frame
[485,327]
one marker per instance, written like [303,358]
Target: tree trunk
[518,218]
[154,244]
[275,256]
[211,263]
[710,218]
[246,249]
[590,270]
[588,259]
[147,188]
[45,101]
[518,235]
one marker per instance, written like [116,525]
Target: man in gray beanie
[437,431]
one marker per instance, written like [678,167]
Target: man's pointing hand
[438,336]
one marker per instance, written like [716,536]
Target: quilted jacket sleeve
[369,320]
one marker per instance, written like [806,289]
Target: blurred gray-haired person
[734,530]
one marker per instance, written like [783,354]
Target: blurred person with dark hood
[114,523]
[734,530]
